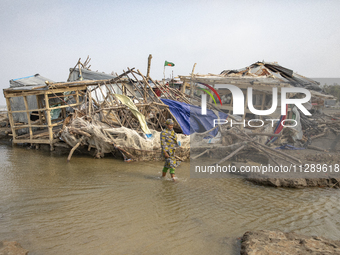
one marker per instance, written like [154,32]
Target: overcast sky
[48,37]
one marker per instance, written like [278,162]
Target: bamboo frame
[43,110]
[149,105]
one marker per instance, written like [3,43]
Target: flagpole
[164,75]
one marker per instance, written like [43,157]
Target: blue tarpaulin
[190,119]
[289,147]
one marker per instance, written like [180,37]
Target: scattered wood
[315,148]
[201,154]
[320,135]
[74,148]
[79,132]
[230,155]
[264,134]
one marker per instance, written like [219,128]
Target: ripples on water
[107,206]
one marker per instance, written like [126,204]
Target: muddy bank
[297,182]
[264,242]
[11,248]
[317,169]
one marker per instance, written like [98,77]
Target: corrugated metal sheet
[34,80]
[17,103]
[92,75]
[89,75]
[273,71]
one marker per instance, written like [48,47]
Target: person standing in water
[169,145]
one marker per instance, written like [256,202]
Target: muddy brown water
[107,206]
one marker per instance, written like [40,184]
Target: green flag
[168,63]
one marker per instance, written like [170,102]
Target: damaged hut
[119,114]
[262,77]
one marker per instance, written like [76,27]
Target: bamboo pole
[161,103]
[28,117]
[90,103]
[80,73]
[69,76]
[191,81]
[49,122]
[279,152]
[201,154]
[86,82]
[145,91]
[11,121]
[149,65]
[265,134]
[151,97]
[230,155]
[74,148]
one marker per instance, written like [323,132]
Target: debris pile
[119,114]
[4,124]
[317,126]
[277,242]
[235,141]
[130,144]
[123,114]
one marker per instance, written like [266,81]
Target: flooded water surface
[106,206]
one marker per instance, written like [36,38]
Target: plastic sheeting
[190,119]
[289,147]
[141,118]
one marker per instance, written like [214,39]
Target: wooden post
[11,121]
[74,148]
[245,110]
[80,73]
[191,82]
[263,103]
[210,98]
[28,117]
[149,65]
[183,87]
[90,102]
[77,96]
[49,122]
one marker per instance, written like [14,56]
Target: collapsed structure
[120,113]
[123,114]
[262,77]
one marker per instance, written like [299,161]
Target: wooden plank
[58,123]
[54,107]
[20,93]
[28,126]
